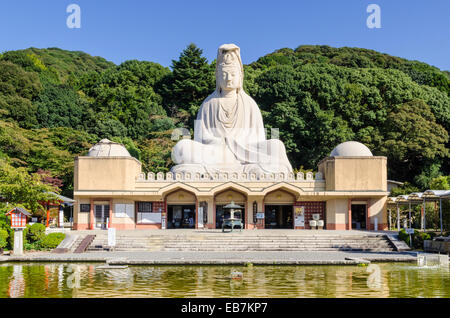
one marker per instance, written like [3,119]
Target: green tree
[413,139]
[60,106]
[440,183]
[17,186]
[124,102]
[191,81]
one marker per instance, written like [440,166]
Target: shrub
[52,240]
[36,232]
[417,238]
[3,238]
[30,246]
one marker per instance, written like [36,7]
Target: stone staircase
[217,242]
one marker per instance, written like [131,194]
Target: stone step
[265,243]
[380,244]
[234,242]
[248,240]
[280,249]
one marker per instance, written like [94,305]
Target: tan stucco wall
[80,217]
[279,197]
[228,196]
[354,173]
[109,173]
[337,211]
[120,220]
[377,210]
[180,197]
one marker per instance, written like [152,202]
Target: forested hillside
[55,104]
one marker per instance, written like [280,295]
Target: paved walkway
[216,258]
[221,258]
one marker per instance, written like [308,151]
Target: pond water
[88,280]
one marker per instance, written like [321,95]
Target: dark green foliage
[124,102]
[417,238]
[191,81]
[406,188]
[51,240]
[317,105]
[60,106]
[413,140]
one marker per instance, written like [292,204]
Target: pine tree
[191,81]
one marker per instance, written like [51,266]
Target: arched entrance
[225,197]
[278,210]
[181,209]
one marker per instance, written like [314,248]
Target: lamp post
[18,223]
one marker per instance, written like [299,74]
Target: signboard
[200,218]
[260,215]
[409,231]
[149,218]
[111,236]
[299,216]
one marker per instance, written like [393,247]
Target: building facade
[349,191]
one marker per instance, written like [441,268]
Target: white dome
[351,149]
[108,148]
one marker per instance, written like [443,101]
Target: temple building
[230,161]
[349,191]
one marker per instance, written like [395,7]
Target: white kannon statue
[229,134]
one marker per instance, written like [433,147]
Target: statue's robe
[230,141]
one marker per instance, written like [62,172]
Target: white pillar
[61,216]
[398,218]
[424,215]
[18,242]
[410,222]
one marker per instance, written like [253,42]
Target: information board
[299,216]
[200,217]
[111,236]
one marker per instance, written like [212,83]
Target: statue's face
[229,78]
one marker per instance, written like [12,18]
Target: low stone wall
[436,246]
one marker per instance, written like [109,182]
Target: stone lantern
[18,223]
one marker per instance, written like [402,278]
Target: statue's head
[229,69]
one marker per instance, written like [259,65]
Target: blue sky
[159,30]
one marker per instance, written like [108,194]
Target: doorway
[359,212]
[278,217]
[101,216]
[181,216]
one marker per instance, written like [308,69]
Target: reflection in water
[17,283]
[86,280]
